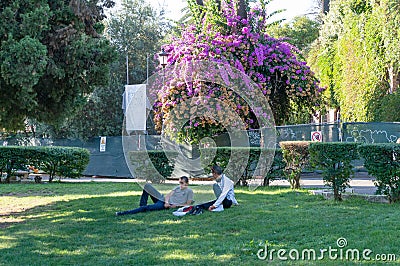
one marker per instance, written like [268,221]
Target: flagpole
[127,70]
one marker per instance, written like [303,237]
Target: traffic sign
[316,136]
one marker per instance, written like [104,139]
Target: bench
[36,177]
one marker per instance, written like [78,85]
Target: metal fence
[112,161]
[371,132]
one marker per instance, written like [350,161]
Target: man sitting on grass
[179,196]
[223,190]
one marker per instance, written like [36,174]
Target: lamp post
[163,57]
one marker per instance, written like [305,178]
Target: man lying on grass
[179,196]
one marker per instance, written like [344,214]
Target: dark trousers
[217,192]
[226,203]
[156,197]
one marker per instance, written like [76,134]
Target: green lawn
[74,224]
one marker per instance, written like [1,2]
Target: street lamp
[162,57]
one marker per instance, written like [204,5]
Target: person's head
[216,171]
[183,181]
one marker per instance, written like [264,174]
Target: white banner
[135,107]
[103,141]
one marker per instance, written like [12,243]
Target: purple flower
[245,30]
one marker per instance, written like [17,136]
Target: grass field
[74,224]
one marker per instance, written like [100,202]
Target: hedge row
[157,165]
[334,158]
[55,161]
[152,165]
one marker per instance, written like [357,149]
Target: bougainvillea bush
[221,36]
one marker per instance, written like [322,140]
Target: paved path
[361,184]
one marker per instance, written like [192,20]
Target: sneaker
[178,213]
[191,211]
[187,209]
[220,208]
[118,214]
[197,211]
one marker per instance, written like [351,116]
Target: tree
[225,37]
[356,56]
[136,31]
[301,32]
[52,55]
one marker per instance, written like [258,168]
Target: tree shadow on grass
[85,231]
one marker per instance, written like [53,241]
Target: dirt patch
[14,205]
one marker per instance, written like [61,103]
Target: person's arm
[228,184]
[189,198]
[167,197]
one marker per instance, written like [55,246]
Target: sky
[293,7]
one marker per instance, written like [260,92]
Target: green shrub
[12,158]
[296,156]
[383,162]
[231,158]
[61,161]
[153,165]
[388,109]
[334,158]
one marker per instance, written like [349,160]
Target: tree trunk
[242,9]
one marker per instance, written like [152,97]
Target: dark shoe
[117,214]
[192,210]
[197,211]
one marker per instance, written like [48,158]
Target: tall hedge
[229,157]
[334,158]
[296,157]
[153,165]
[383,162]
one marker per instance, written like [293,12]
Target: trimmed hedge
[296,157]
[61,161]
[226,157]
[334,158]
[383,162]
[153,165]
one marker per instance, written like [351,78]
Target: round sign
[316,136]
